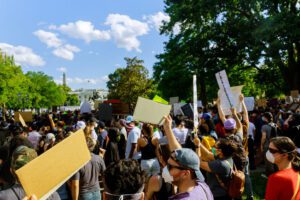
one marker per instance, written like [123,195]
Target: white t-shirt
[180,134]
[251,128]
[133,137]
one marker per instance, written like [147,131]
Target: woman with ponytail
[285,183]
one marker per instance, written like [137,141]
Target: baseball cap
[230,124]
[80,124]
[206,116]
[21,156]
[188,158]
[129,119]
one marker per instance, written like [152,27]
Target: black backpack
[274,130]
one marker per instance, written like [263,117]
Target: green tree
[128,83]
[13,84]
[71,99]
[246,36]
[44,92]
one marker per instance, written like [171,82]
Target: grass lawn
[259,184]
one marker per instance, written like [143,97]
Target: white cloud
[82,30]
[125,31]
[49,38]
[66,51]
[22,55]
[157,19]
[61,69]
[177,28]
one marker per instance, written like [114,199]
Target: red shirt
[282,185]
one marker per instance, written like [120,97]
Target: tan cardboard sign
[27,116]
[46,173]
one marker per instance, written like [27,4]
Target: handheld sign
[27,116]
[150,111]
[235,94]
[22,120]
[224,86]
[187,110]
[250,103]
[46,173]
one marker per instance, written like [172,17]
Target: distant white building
[91,94]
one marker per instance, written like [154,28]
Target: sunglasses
[169,166]
[273,150]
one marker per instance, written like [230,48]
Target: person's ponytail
[296,161]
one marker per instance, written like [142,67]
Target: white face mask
[270,157]
[166,175]
[121,196]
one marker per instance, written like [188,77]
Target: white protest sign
[85,107]
[235,93]
[224,86]
[249,102]
[199,104]
[195,102]
[177,108]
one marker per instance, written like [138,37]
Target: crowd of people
[135,160]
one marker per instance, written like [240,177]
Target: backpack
[236,185]
[274,130]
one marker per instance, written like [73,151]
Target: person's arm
[197,143]
[52,124]
[154,185]
[206,154]
[173,143]
[245,111]
[263,140]
[204,165]
[75,189]
[132,150]
[220,111]
[239,125]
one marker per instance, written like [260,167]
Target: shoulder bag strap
[15,193]
[297,188]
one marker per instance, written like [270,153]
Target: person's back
[85,182]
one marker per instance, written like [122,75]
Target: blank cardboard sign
[46,173]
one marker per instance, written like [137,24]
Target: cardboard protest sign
[224,86]
[46,173]
[261,103]
[199,104]
[288,99]
[187,110]
[158,99]
[150,111]
[174,100]
[249,102]
[295,93]
[177,108]
[22,120]
[27,116]
[235,95]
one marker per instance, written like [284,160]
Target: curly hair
[124,177]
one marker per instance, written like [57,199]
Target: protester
[283,184]
[133,136]
[148,145]
[85,183]
[124,180]
[21,156]
[183,171]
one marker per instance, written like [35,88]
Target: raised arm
[239,125]
[220,111]
[245,111]
[173,143]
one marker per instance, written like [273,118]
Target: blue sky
[86,39]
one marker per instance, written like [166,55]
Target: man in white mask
[183,170]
